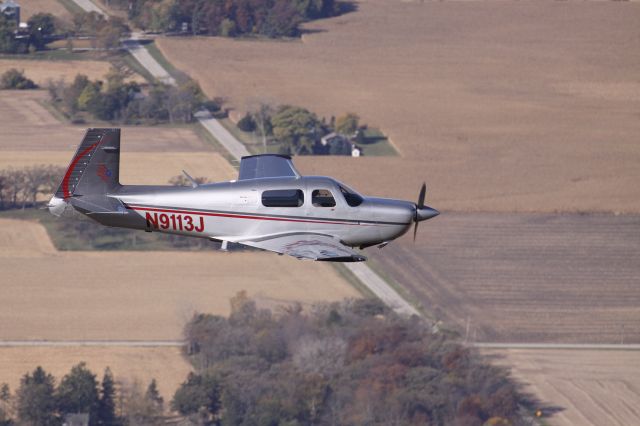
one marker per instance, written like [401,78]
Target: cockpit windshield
[352,197]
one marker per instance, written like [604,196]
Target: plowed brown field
[499,106]
[591,387]
[138,295]
[525,277]
[42,71]
[137,168]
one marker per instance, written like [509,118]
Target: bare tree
[324,356]
[261,111]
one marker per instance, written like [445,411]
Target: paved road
[143,56]
[89,6]
[380,288]
[235,148]
[96,343]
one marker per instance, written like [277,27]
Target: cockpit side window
[352,198]
[322,198]
[283,198]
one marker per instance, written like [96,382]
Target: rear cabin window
[283,198]
[322,198]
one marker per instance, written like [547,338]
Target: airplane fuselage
[236,210]
[271,206]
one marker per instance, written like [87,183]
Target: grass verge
[174,72]
[131,62]
[353,280]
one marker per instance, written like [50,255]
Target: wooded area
[271,18]
[354,362]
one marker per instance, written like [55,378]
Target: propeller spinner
[422,212]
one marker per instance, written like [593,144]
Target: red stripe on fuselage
[67,176]
[239,216]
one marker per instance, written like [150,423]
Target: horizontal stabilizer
[97,205]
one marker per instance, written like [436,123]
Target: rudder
[95,168]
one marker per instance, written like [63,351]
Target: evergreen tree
[106,412]
[5,402]
[8,41]
[78,393]
[153,395]
[36,401]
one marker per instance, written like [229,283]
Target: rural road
[213,126]
[143,56]
[89,6]
[381,289]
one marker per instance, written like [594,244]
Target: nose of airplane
[425,213]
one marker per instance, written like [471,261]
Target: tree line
[21,187]
[229,18]
[40,401]
[121,101]
[299,131]
[43,28]
[348,363]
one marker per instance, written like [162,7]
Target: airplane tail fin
[95,168]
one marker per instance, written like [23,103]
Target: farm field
[137,168]
[499,106]
[165,364]
[41,71]
[591,387]
[28,126]
[138,295]
[524,277]
[31,7]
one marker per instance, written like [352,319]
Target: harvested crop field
[28,126]
[165,364]
[139,295]
[31,7]
[590,387]
[499,106]
[524,277]
[41,71]
[137,168]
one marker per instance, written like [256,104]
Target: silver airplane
[270,206]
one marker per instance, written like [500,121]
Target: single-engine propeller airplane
[270,206]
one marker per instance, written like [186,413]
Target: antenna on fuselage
[194,184]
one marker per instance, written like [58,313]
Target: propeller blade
[423,192]
[415,231]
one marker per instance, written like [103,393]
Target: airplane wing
[307,246]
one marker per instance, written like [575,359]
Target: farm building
[339,144]
[11,10]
